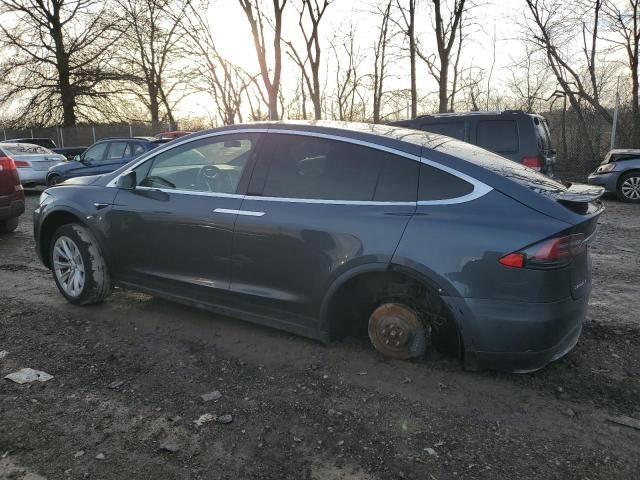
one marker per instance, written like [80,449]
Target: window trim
[479,188]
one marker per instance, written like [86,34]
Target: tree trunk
[412,56]
[443,84]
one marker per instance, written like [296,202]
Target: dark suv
[519,136]
[325,229]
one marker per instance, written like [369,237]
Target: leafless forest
[69,63]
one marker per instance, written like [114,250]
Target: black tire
[53,180]
[9,225]
[96,284]
[629,187]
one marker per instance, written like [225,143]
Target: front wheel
[53,180]
[78,265]
[629,187]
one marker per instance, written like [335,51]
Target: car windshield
[25,149]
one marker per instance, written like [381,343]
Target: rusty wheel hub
[394,330]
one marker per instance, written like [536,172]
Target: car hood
[87,180]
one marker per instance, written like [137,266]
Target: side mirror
[128,181]
[76,158]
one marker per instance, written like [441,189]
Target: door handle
[231,211]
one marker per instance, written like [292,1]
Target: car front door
[173,232]
[315,209]
[90,160]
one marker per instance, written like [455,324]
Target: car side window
[136,149]
[95,153]
[450,129]
[436,184]
[498,135]
[117,150]
[307,167]
[214,164]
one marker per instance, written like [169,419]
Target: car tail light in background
[533,162]
[553,253]
[7,163]
[21,164]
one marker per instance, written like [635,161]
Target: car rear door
[316,208]
[173,232]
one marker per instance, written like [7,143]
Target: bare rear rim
[396,331]
[68,266]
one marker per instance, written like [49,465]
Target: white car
[32,161]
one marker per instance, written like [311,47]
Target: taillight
[549,254]
[7,163]
[533,162]
[21,164]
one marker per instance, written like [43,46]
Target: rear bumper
[29,176]
[12,208]
[607,180]
[520,336]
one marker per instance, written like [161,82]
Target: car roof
[17,144]
[477,114]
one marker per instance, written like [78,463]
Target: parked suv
[103,156]
[11,194]
[514,134]
[324,229]
[619,173]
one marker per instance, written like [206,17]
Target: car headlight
[43,196]
[607,167]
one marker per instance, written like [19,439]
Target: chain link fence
[83,135]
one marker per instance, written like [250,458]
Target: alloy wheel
[68,266]
[631,188]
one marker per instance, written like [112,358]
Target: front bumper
[520,336]
[607,180]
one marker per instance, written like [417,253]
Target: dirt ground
[129,375]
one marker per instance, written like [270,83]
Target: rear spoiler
[580,193]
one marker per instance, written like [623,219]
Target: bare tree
[257,19]
[625,24]
[381,59]
[551,31]
[313,11]
[150,54]
[529,79]
[56,57]
[408,27]
[349,80]
[446,28]
[225,82]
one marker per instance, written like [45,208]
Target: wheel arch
[378,272]
[54,220]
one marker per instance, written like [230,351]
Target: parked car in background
[11,194]
[324,229]
[619,173]
[103,156]
[32,161]
[514,134]
[171,135]
[68,152]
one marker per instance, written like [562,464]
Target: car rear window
[498,135]
[450,129]
[26,149]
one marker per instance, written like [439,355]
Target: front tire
[629,187]
[78,265]
[53,180]
[9,225]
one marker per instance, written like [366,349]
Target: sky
[235,41]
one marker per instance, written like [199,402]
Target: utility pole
[615,117]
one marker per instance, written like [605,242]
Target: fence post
[4,132]
[130,130]
[61,138]
[615,117]
[93,131]
[31,130]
